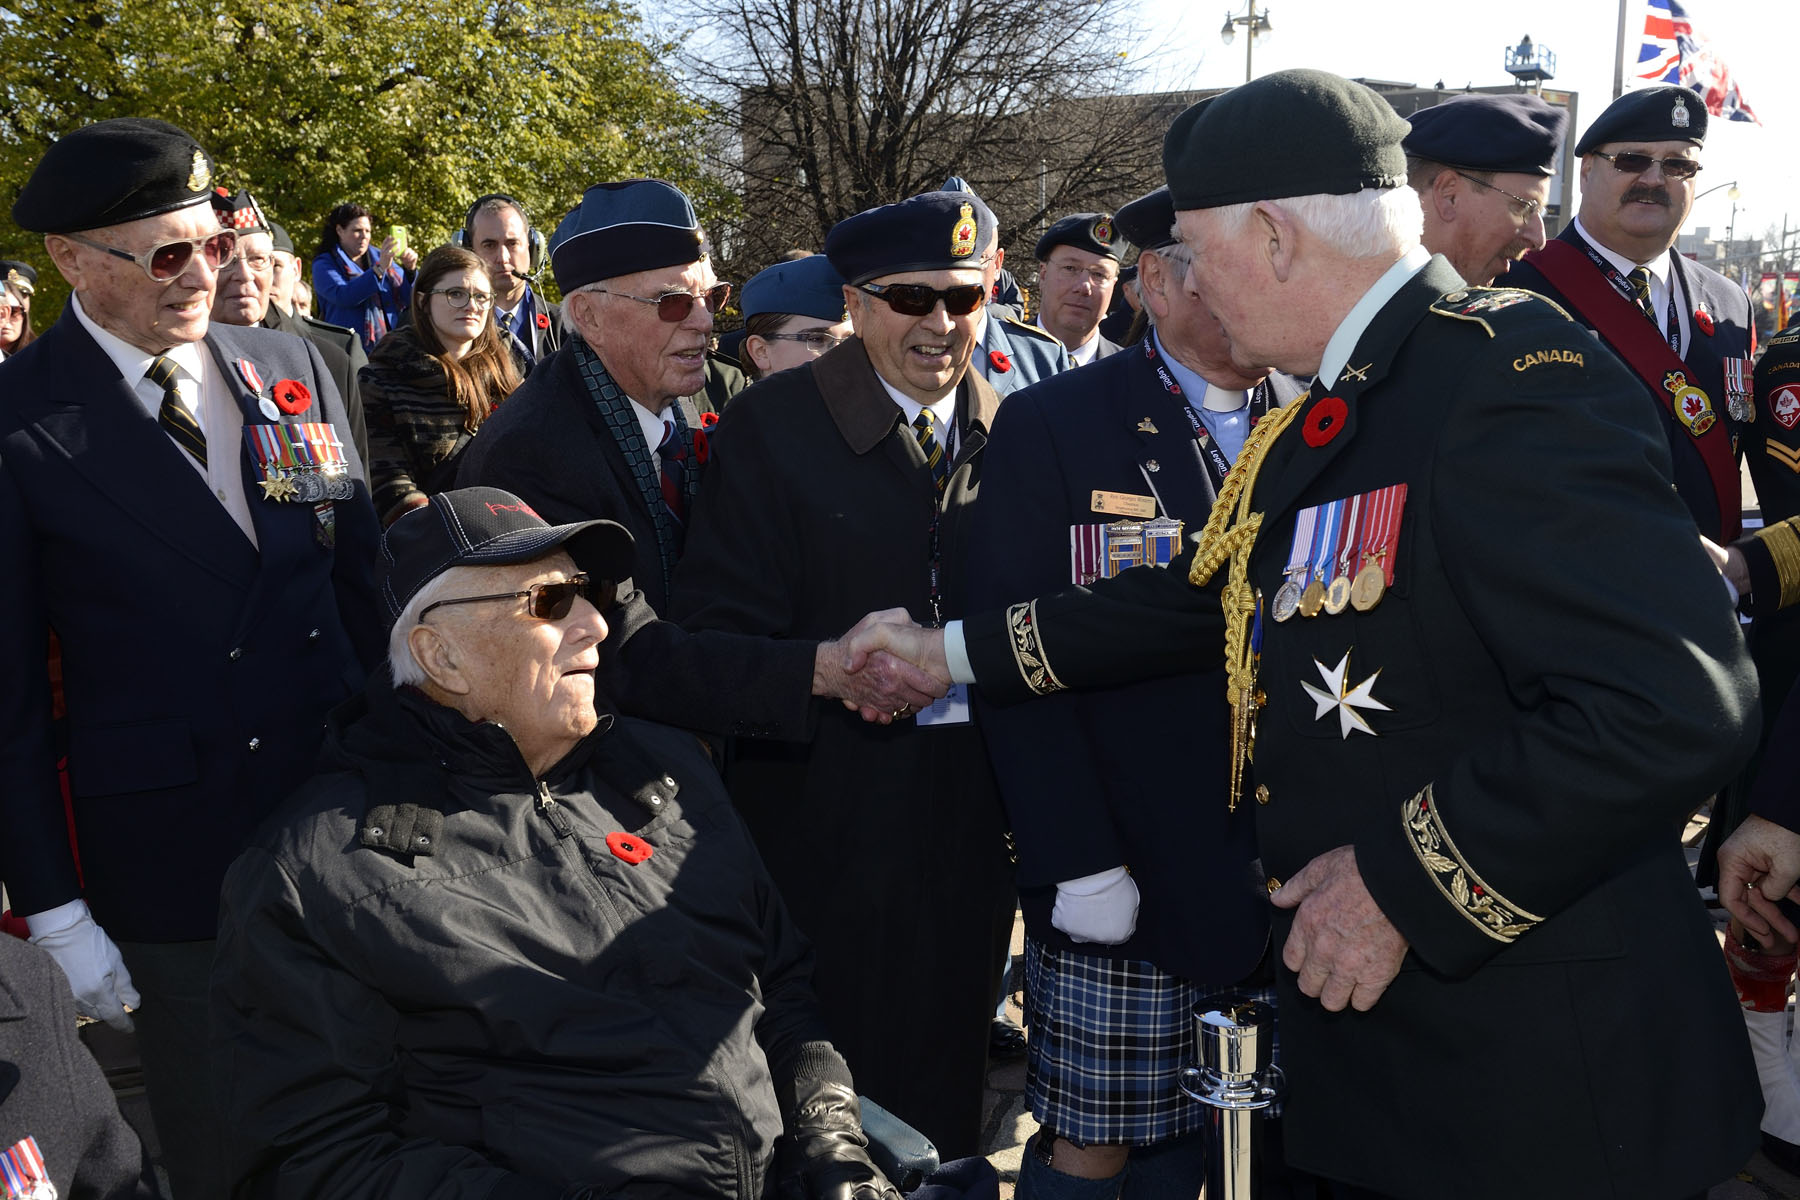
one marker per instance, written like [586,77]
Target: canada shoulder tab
[1488,306]
[1787,336]
[1035,331]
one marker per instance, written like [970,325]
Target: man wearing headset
[498,230]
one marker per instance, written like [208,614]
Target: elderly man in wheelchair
[508,943]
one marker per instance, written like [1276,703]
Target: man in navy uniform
[1115,961]
[1467,740]
[1078,268]
[213,600]
[1010,353]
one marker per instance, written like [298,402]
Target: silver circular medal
[309,487]
[341,488]
[1737,408]
[267,408]
[1287,601]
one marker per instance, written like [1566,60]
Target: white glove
[1097,908]
[96,972]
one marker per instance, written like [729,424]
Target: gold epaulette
[1037,331]
[1480,304]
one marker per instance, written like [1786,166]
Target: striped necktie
[1640,286]
[175,418]
[923,426]
[673,453]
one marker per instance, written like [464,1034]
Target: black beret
[1093,232]
[622,228]
[1149,221]
[1515,132]
[1658,114]
[1293,133]
[280,238]
[808,287]
[934,231]
[112,172]
[239,211]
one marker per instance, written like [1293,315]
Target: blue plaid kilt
[1108,1037]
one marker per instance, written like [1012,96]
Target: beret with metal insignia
[622,228]
[933,231]
[1513,132]
[1149,221]
[1092,232]
[239,211]
[112,172]
[1292,133]
[807,287]
[20,276]
[1658,114]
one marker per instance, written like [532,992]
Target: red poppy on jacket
[543,320]
[708,420]
[1704,320]
[1001,363]
[1325,421]
[631,849]
[701,451]
[291,396]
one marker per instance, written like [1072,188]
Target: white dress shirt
[1662,279]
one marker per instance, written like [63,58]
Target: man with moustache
[498,230]
[1078,267]
[213,597]
[1482,166]
[835,489]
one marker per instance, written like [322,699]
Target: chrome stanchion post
[1236,1080]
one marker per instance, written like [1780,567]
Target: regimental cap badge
[18,283]
[1103,231]
[200,176]
[962,235]
[1678,116]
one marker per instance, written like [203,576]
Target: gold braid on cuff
[1489,911]
[1783,545]
[1028,650]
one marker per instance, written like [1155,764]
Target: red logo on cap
[520,507]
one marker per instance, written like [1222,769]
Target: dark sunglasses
[916,300]
[167,262]
[675,306]
[1631,163]
[548,601]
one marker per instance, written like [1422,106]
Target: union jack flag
[1673,53]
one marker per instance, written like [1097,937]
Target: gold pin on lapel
[1146,426]
[1360,374]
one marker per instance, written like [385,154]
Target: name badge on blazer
[1124,504]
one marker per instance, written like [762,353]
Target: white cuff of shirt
[956,654]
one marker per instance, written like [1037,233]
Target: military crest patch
[1103,230]
[1784,406]
[1693,407]
[200,176]
[962,234]
[1678,116]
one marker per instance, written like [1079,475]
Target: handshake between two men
[887,667]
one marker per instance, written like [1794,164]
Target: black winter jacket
[437,976]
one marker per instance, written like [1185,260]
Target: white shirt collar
[132,362]
[1194,388]
[1084,354]
[943,412]
[1356,322]
[651,423]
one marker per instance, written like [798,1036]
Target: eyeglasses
[675,306]
[812,339]
[1521,208]
[547,601]
[9,311]
[463,297]
[256,264]
[1074,272]
[917,300]
[1632,163]
[166,263]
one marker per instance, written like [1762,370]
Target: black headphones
[538,249]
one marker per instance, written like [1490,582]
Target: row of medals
[1362,593]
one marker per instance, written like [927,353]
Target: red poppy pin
[708,420]
[1001,363]
[702,451]
[633,850]
[1325,421]
[543,320]
[291,396]
[1704,320]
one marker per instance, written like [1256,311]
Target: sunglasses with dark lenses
[548,601]
[1636,164]
[916,300]
[167,262]
[675,306]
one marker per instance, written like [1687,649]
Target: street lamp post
[1734,194]
[1256,24]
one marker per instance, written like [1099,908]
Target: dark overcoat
[887,841]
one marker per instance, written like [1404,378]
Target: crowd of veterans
[490,746]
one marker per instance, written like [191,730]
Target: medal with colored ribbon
[1325,540]
[1287,596]
[247,372]
[1380,547]
[1337,596]
[24,1174]
[302,461]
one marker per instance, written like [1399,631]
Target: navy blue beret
[1292,133]
[622,228]
[934,231]
[1149,221]
[1658,114]
[112,172]
[807,287]
[1092,232]
[1515,132]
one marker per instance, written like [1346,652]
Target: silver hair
[1366,224]
[568,310]
[402,666]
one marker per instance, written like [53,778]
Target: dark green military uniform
[1510,739]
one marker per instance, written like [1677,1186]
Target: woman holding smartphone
[357,285]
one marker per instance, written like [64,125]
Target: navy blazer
[1092,780]
[197,669]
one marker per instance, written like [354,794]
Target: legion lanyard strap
[1624,287]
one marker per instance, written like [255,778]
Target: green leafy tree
[412,109]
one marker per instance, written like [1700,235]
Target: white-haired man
[1473,731]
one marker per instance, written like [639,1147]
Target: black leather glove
[826,1156]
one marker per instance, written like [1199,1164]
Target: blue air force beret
[1514,132]
[1658,114]
[807,287]
[240,211]
[1093,232]
[622,228]
[934,231]
[1292,133]
[1149,221]
[112,172]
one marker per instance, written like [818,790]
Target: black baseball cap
[481,527]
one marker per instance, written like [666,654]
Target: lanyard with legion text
[1217,465]
[1624,287]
